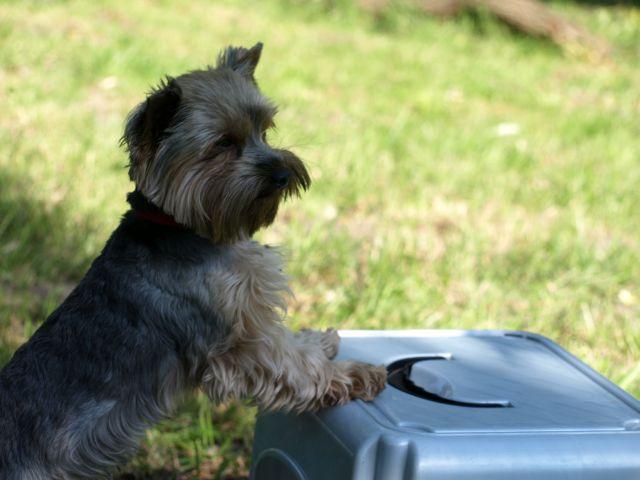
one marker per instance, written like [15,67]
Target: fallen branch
[528,16]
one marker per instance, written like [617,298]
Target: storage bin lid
[488,381]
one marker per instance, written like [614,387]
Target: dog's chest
[249,286]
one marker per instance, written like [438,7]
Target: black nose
[280,178]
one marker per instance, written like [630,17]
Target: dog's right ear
[147,123]
[241,60]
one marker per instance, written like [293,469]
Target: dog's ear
[242,60]
[148,121]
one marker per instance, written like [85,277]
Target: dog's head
[198,150]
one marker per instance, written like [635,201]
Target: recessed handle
[433,386]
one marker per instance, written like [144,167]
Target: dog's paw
[328,341]
[367,381]
[351,380]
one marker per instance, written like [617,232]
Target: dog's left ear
[241,60]
[147,123]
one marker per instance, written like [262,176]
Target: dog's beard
[251,205]
[263,212]
[238,210]
[249,202]
[225,201]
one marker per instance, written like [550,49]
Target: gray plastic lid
[488,382]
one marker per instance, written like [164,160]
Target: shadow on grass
[42,256]
[163,474]
[166,475]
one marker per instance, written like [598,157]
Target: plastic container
[463,405]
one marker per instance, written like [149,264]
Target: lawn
[465,176]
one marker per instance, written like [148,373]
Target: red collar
[160,218]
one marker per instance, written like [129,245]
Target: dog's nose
[280,178]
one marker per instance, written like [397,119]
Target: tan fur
[328,340]
[262,359]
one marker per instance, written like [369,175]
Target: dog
[181,297]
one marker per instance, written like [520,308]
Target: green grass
[421,214]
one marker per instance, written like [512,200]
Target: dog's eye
[225,142]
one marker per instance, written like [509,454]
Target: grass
[464,176]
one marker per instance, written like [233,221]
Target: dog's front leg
[283,371]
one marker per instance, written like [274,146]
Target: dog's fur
[170,308]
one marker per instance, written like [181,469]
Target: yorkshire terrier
[181,298]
